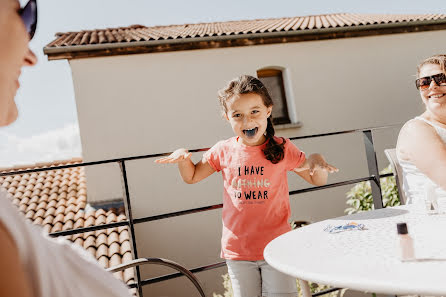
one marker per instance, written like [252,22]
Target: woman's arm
[190,172]
[315,170]
[13,279]
[419,143]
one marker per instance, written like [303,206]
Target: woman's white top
[416,183]
[55,266]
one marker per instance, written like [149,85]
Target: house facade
[150,90]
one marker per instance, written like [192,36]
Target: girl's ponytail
[273,151]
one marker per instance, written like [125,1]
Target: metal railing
[373,176]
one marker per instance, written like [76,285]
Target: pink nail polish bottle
[406,242]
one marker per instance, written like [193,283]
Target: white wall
[154,103]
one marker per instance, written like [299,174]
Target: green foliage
[227,285]
[316,288]
[359,198]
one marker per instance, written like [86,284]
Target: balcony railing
[373,176]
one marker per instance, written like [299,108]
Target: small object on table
[406,243]
[345,227]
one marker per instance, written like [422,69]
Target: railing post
[128,210]
[373,169]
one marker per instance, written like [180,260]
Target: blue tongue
[250,133]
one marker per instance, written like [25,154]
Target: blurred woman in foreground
[31,263]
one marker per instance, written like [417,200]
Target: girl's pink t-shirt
[256,206]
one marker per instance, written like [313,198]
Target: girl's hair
[437,59]
[246,84]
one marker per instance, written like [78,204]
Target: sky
[47,127]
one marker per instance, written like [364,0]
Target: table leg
[305,288]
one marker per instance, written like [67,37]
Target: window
[273,80]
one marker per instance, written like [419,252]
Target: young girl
[254,167]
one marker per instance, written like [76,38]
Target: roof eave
[151,46]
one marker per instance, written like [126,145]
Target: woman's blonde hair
[437,60]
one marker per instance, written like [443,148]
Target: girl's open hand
[176,157]
[316,162]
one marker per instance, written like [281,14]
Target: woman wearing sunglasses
[421,147]
[32,264]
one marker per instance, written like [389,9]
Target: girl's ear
[226,117]
[270,110]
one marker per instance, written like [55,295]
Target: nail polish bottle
[406,242]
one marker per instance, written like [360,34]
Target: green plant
[359,198]
[227,285]
[316,288]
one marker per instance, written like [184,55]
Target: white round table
[367,260]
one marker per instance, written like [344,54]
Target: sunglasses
[423,83]
[29,17]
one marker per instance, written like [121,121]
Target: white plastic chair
[397,172]
[164,262]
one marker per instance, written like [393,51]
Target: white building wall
[153,103]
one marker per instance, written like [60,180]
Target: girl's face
[434,97]
[14,54]
[248,117]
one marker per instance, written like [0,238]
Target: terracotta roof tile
[112,238]
[89,242]
[88,234]
[57,199]
[115,260]
[101,239]
[103,261]
[68,226]
[136,33]
[79,241]
[125,247]
[89,222]
[39,213]
[124,236]
[56,227]
[46,227]
[102,250]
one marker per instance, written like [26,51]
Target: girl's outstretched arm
[315,170]
[190,172]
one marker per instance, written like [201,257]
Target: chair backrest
[397,172]
[164,262]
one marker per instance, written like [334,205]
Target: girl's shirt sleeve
[213,156]
[294,156]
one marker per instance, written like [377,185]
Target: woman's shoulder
[413,132]
[416,127]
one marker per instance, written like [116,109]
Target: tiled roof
[57,200]
[138,33]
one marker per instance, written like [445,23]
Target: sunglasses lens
[439,78]
[29,17]
[423,83]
